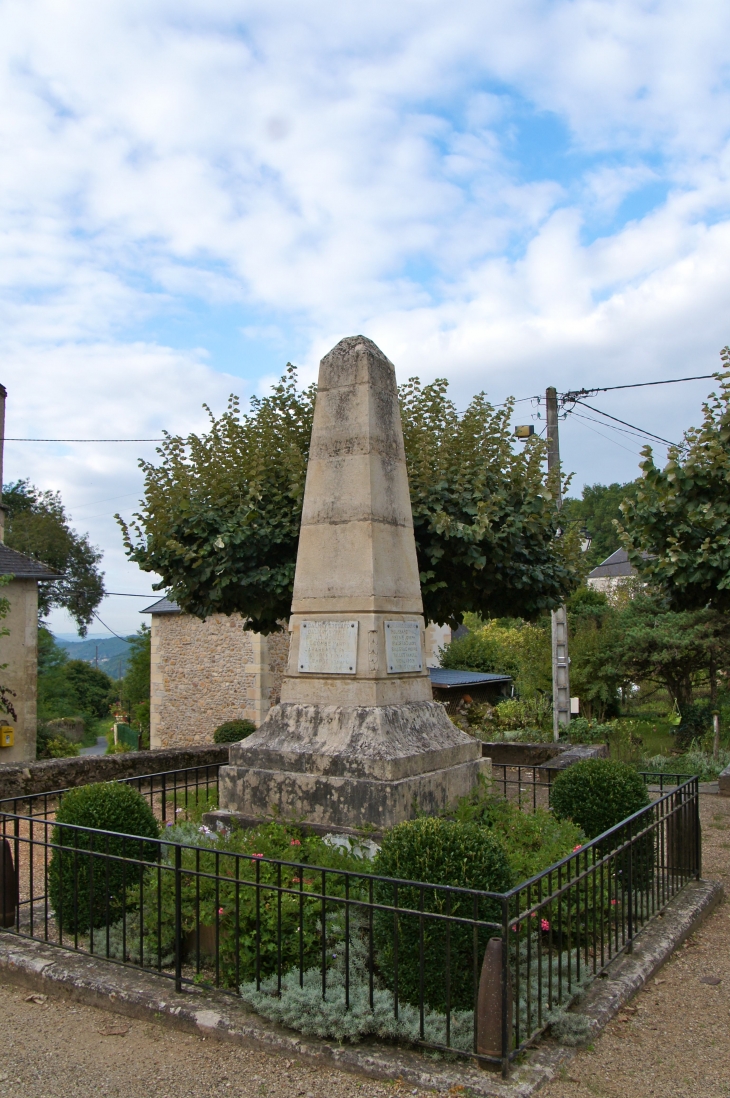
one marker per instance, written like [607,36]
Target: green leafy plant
[243,905]
[597,794]
[36,523]
[222,511]
[57,747]
[446,852]
[532,840]
[88,884]
[233,731]
[677,526]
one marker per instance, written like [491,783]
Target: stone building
[611,573]
[19,649]
[206,672]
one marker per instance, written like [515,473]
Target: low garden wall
[17,780]
[558,756]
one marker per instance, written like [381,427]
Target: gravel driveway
[674,1039]
[672,1042]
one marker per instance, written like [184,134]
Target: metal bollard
[489,1004]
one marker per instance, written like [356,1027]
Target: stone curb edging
[153,998]
[723,782]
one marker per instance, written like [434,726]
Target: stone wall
[19,650]
[49,774]
[206,672]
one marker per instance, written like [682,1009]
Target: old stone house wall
[206,672]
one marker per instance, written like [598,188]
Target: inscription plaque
[328,647]
[403,647]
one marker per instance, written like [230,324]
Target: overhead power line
[108,627]
[648,434]
[574,394]
[85,440]
[130,595]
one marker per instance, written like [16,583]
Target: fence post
[630,884]
[697,828]
[506,989]
[178,917]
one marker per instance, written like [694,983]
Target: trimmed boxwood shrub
[87,889]
[597,794]
[451,853]
[233,731]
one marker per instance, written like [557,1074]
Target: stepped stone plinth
[357,739]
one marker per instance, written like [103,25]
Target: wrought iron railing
[471,973]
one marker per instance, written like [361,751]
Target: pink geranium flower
[295,842]
[544,924]
[257,855]
[578,847]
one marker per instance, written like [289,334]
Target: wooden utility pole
[561,663]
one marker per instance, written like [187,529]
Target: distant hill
[111,652]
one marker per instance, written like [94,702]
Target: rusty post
[490,1004]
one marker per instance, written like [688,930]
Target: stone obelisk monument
[357,738]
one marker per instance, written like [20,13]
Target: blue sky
[193,194]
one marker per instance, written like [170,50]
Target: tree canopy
[221,511]
[36,524]
[677,527]
[598,510]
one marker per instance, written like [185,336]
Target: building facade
[206,672]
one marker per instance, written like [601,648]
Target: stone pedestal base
[348,767]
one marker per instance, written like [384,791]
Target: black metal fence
[470,973]
[530,786]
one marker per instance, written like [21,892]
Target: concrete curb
[153,998]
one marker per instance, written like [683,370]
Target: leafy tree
[36,524]
[484,513]
[677,528]
[669,647]
[136,684]
[511,647]
[597,654]
[598,511]
[221,514]
[69,688]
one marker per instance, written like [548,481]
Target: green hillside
[112,653]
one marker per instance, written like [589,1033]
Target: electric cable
[649,434]
[107,627]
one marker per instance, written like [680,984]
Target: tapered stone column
[357,738]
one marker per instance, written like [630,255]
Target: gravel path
[55,1049]
[672,1042]
[674,1038]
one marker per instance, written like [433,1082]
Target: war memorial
[357,740]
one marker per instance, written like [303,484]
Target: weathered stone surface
[206,672]
[723,782]
[49,774]
[357,741]
[350,766]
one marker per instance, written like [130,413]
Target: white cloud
[395,169]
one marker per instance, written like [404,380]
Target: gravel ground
[55,1049]
[674,1038]
[671,1042]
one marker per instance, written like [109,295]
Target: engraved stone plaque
[403,647]
[328,647]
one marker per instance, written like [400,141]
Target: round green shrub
[233,731]
[445,852]
[597,794]
[86,887]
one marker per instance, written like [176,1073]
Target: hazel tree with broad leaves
[676,528]
[221,512]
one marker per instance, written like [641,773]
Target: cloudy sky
[508,195]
